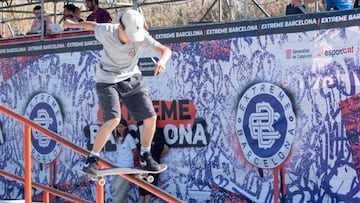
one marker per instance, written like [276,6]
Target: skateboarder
[118,77]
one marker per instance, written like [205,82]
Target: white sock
[92,153]
[144,150]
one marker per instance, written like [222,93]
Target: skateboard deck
[134,170]
[140,172]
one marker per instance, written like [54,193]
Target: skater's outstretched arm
[87,25]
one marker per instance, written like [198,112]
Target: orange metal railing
[46,190]
[29,124]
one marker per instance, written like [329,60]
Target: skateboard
[137,171]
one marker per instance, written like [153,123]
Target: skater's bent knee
[113,122]
[150,119]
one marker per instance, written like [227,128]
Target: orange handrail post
[99,193]
[99,190]
[276,185]
[27,157]
[46,197]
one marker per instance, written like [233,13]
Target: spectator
[330,4]
[291,9]
[98,14]
[78,14]
[36,23]
[159,149]
[356,4]
[127,155]
[69,14]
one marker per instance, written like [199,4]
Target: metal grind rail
[29,124]
[46,189]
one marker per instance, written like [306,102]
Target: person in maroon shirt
[98,14]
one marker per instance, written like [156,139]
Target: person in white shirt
[126,156]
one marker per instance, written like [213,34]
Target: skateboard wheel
[101,181]
[150,179]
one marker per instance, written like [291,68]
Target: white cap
[134,25]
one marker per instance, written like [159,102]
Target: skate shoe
[90,165]
[148,163]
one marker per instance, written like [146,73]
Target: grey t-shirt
[119,61]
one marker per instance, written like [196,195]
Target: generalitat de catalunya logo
[44,110]
[265,125]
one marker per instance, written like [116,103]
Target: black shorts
[133,94]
